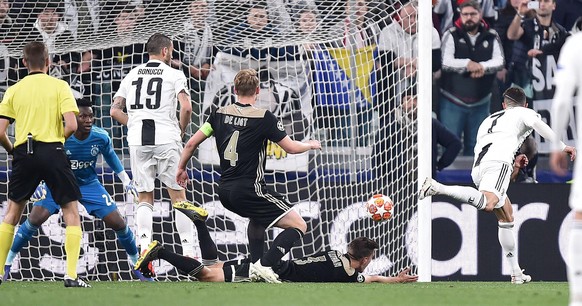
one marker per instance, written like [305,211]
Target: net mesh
[330,70]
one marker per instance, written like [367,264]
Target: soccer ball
[380,207]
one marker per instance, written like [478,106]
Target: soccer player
[38,104]
[241,133]
[568,82]
[151,92]
[83,148]
[327,266]
[498,139]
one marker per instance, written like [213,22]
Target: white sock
[464,194]
[507,241]
[575,262]
[144,220]
[185,229]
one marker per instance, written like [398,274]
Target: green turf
[303,294]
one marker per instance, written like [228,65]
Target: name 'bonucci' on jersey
[151,96]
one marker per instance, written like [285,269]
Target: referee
[38,104]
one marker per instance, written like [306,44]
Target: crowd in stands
[480,48]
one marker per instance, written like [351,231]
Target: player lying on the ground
[83,149]
[327,266]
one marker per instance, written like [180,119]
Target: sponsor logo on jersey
[78,165]
[280,126]
[94,150]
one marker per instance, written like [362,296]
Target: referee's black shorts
[49,163]
[256,202]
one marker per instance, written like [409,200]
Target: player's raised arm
[204,132]
[402,277]
[294,147]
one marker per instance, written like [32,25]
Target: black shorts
[49,163]
[257,203]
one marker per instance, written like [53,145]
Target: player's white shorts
[149,162]
[493,176]
[576,188]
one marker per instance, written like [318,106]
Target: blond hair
[246,82]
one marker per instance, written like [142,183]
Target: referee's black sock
[207,246]
[281,246]
[185,264]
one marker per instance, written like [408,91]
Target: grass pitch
[303,294]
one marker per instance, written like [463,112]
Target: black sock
[282,244]
[207,246]
[185,264]
[256,235]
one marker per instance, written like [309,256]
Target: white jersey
[569,82]
[502,133]
[151,96]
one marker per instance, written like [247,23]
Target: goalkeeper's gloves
[128,185]
[39,193]
[131,190]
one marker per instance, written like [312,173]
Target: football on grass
[380,207]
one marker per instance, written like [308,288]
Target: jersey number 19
[153,89]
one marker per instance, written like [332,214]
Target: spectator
[194,52]
[448,10]
[358,30]
[399,39]
[49,28]
[252,34]
[504,19]
[537,36]
[82,17]
[471,57]
[8,65]
[195,49]
[406,115]
[109,66]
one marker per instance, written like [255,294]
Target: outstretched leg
[482,200]
[184,264]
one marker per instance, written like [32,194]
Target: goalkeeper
[83,148]
[327,266]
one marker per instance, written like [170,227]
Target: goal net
[340,71]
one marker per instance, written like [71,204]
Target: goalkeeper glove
[39,193]
[131,190]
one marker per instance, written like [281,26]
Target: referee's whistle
[29,145]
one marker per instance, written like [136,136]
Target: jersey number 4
[153,90]
[230,151]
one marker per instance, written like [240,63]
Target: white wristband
[124,178]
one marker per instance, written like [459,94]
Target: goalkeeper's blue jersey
[83,155]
